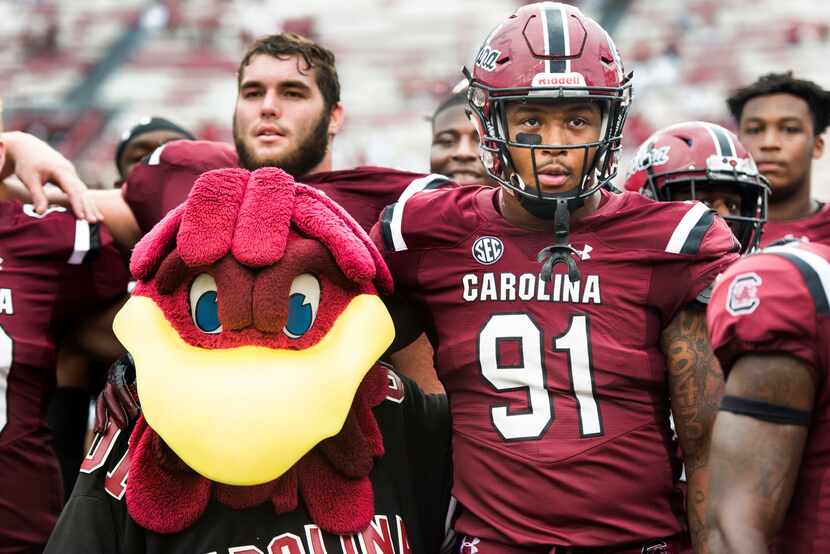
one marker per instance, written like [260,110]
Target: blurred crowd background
[78,73]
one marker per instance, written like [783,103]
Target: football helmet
[686,160]
[548,51]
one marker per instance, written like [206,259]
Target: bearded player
[582,325]
[768,321]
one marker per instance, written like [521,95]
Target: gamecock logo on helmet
[652,157]
[487,57]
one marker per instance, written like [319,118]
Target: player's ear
[818,147]
[336,120]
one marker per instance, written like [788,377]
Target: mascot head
[255,328]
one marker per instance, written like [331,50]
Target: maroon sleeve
[97,279]
[762,304]
[718,251]
[163,180]
[691,271]
[107,270]
[420,221]
[403,264]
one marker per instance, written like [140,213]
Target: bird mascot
[267,425]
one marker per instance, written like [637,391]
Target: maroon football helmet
[548,51]
[689,160]
[552,52]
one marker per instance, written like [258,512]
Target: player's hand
[118,401]
[36,163]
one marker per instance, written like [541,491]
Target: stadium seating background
[78,73]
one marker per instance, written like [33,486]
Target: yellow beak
[245,415]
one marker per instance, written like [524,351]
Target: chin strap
[560,251]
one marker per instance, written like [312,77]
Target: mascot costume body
[267,426]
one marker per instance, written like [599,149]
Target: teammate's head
[703,161]
[288,105]
[144,137]
[550,99]
[781,119]
[455,141]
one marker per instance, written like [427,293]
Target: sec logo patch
[488,250]
[743,298]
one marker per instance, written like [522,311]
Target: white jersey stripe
[82,242]
[6,360]
[681,232]
[819,264]
[397,211]
[155,157]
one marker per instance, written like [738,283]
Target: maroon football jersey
[815,228]
[558,390]
[163,180]
[53,270]
[779,301]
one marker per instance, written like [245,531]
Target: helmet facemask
[489,106]
[751,189]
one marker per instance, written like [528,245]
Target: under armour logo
[585,253]
[1,264]
[468,546]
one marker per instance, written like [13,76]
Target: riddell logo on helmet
[558,80]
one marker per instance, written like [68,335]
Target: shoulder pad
[430,217]
[198,154]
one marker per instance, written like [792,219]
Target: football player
[54,271]
[768,320]
[581,319]
[696,160]
[781,120]
[455,143]
[141,139]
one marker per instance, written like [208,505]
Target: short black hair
[817,99]
[146,125]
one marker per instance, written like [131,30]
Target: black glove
[119,399]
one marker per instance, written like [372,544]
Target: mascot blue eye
[303,301]
[204,309]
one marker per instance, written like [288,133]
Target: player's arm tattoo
[754,464]
[696,387]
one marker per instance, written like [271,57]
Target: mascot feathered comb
[255,328]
